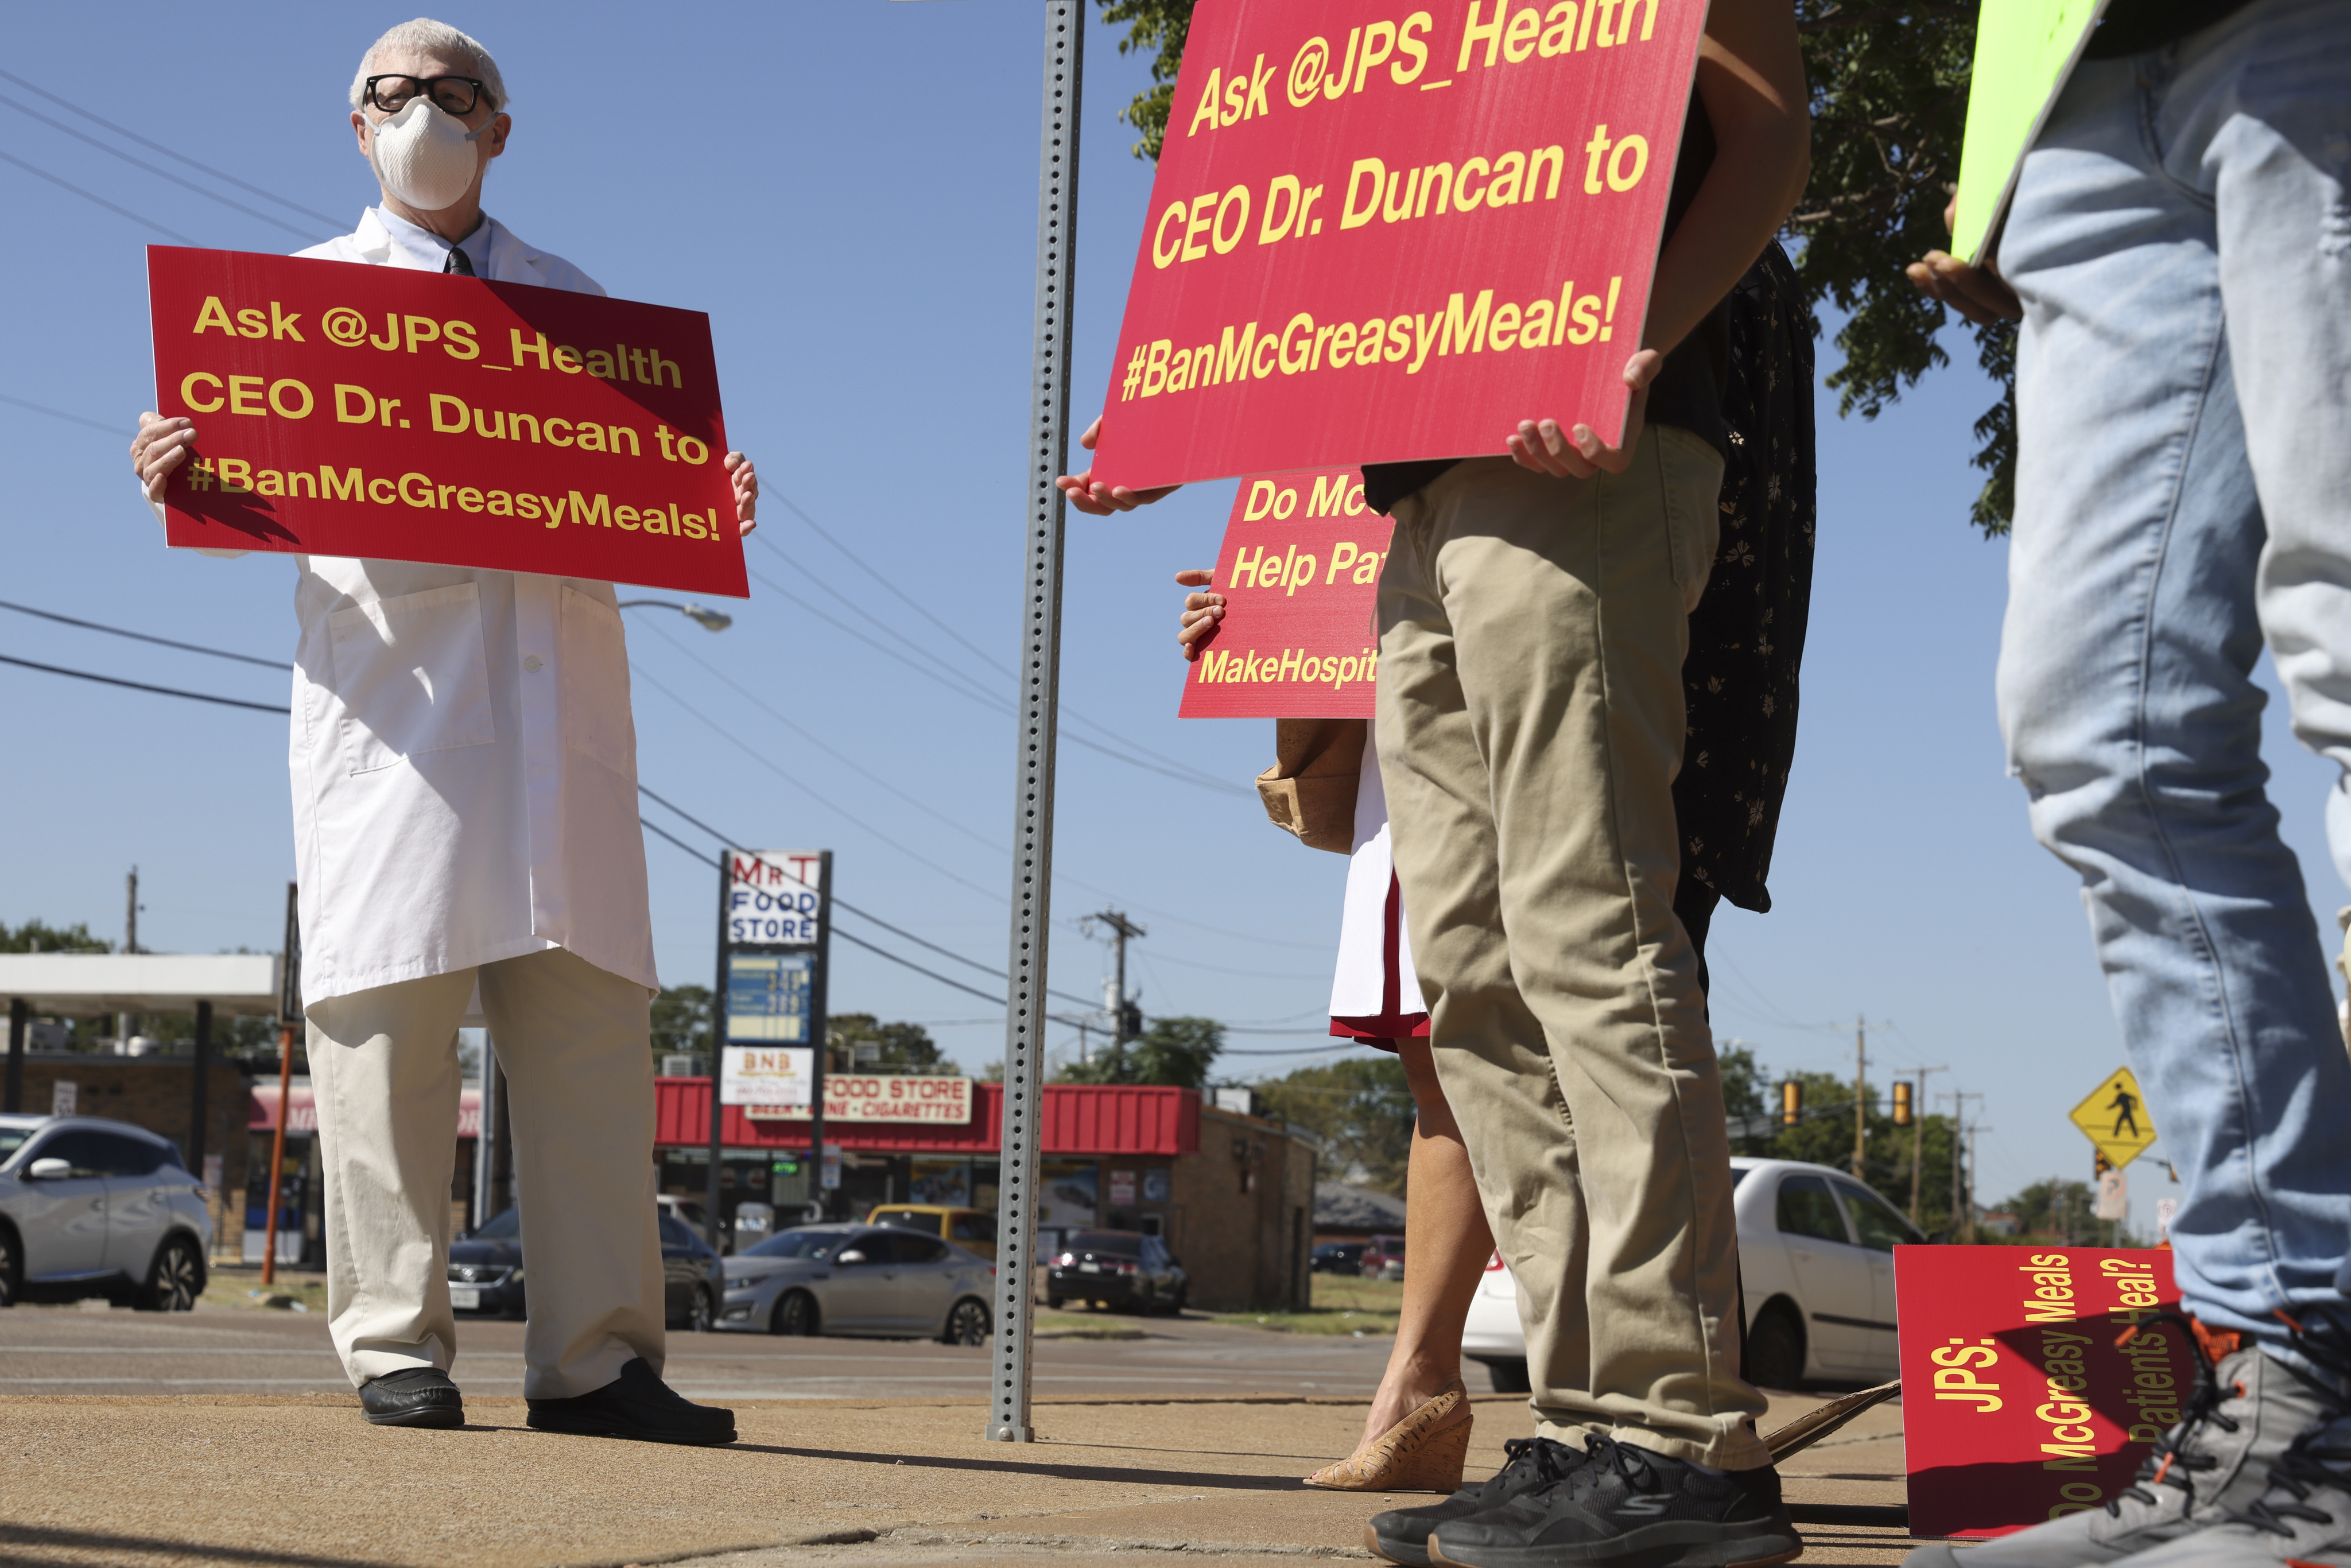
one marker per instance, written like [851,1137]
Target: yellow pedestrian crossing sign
[2115,1118]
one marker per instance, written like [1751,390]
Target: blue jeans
[2181,242]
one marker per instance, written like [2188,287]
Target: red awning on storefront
[1080,1119]
[261,1112]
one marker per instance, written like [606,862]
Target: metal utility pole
[1860,1093]
[127,1024]
[1040,678]
[290,1012]
[1918,1143]
[1963,1173]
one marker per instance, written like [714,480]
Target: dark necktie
[458,262]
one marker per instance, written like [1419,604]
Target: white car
[1816,1263]
[94,1208]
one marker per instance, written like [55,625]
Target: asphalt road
[89,1348]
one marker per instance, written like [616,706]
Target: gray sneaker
[2302,1518]
[2241,1419]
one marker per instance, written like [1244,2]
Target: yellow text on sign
[2115,1118]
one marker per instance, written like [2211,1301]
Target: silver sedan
[865,1280]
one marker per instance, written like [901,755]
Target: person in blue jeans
[2179,253]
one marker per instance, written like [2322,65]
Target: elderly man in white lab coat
[464,816]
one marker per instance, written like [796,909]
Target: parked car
[973,1230]
[881,1282]
[1117,1269]
[1337,1257]
[1382,1258]
[486,1272]
[95,1207]
[1816,1261]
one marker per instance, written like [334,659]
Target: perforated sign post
[768,1007]
[1040,679]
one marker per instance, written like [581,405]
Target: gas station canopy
[86,984]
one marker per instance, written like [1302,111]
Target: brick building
[1233,1195]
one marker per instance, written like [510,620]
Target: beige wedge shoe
[1413,1454]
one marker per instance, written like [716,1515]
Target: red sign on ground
[1300,570]
[371,410]
[1381,239]
[2033,1379]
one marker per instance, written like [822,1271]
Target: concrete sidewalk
[301,1483]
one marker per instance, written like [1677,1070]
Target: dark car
[1338,1258]
[486,1272]
[1117,1269]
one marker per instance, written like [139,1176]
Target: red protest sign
[1300,570]
[2034,1379]
[371,410]
[1379,240]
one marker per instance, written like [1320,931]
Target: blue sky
[849,191]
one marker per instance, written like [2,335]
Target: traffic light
[1902,1117]
[1792,1103]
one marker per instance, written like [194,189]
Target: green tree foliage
[40,936]
[1889,91]
[1826,1136]
[1177,1051]
[862,1043]
[2063,1211]
[1361,1110]
[682,1022]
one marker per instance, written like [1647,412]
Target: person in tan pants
[464,770]
[1533,617]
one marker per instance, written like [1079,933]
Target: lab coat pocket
[596,722]
[410,677]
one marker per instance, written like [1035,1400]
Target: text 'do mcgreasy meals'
[366,411]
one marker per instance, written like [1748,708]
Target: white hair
[425,35]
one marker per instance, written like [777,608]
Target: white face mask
[424,156]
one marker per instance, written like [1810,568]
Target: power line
[129,135]
[756,701]
[92,196]
[144,637]
[846,936]
[144,687]
[61,413]
[897,593]
[159,174]
[736,741]
[839,902]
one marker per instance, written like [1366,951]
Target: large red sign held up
[1300,570]
[2034,1379]
[371,410]
[1379,239]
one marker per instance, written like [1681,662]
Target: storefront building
[1232,1195]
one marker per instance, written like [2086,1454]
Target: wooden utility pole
[1121,929]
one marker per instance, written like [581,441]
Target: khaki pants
[573,1041]
[1531,634]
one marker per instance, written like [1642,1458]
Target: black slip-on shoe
[1401,1535]
[1626,1505]
[637,1405]
[412,1397]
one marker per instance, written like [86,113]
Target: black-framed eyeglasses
[450,95]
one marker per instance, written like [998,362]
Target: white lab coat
[464,765]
